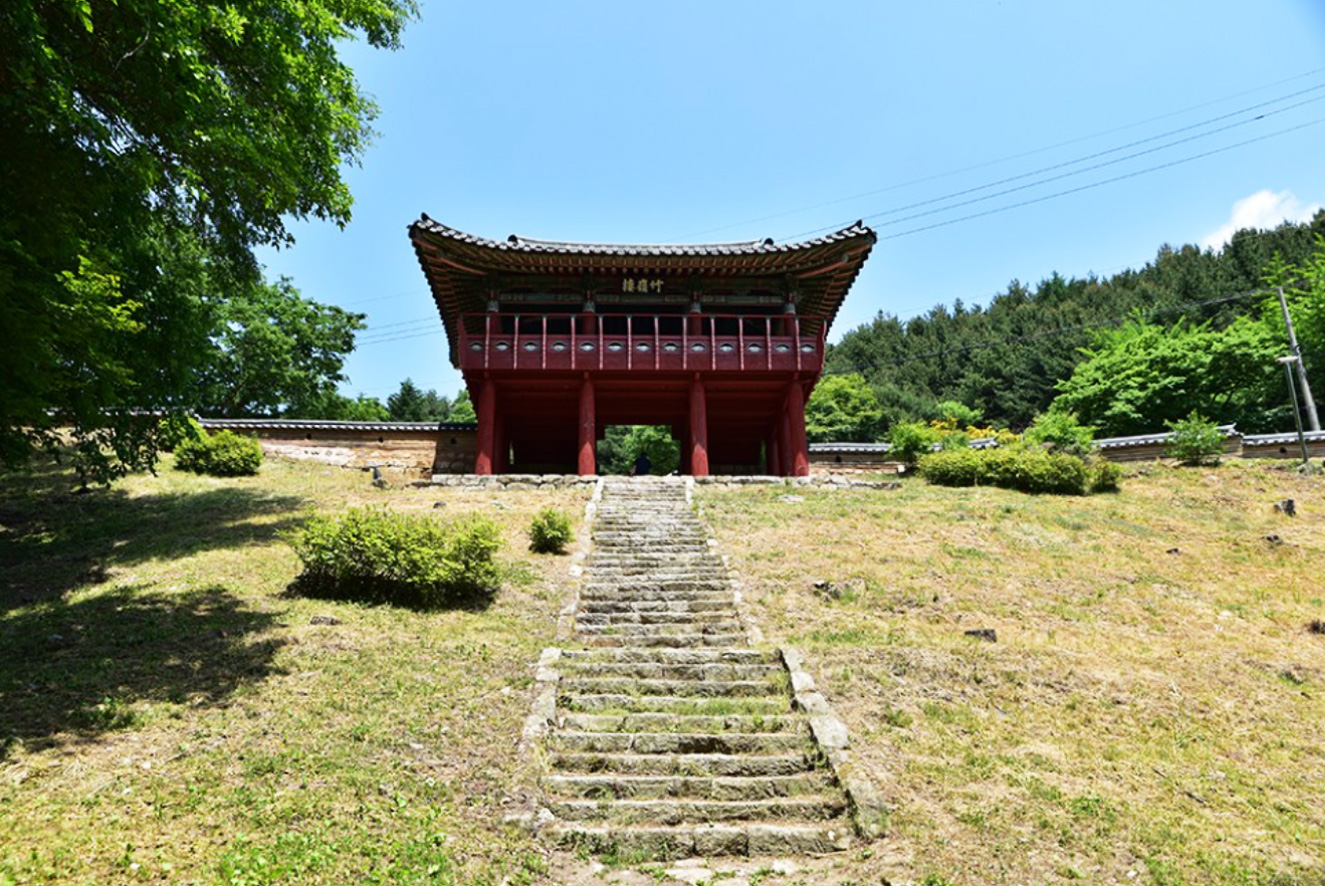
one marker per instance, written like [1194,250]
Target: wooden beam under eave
[441,259]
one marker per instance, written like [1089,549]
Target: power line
[364,301]
[431,318]
[1113,162]
[1092,185]
[1033,152]
[382,341]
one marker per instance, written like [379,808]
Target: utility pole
[1297,413]
[1312,418]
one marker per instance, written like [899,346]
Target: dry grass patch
[1151,708]
[169,713]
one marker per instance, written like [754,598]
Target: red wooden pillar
[695,320]
[501,447]
[772,458]
[800,449]
[784,443]
[487,427]
[699,433]
[588,318]
[588,429]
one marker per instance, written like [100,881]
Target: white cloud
[1263,209]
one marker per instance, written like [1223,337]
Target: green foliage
[1025,468]
[338,407]
[957,415]
[911,439]
[223,454]
[843,408]
[622,444]
[148,148]
[1063,431]
[174,430]
[1104,476]
[550,532]
[462,409]
[955,440]
[1304,290]
[1141,375]
[1006,358]
[274,352]
[1195,440]
[413,560]
[411,403]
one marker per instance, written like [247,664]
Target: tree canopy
[842,408]
[148,148]
[411,403]
[1006,359]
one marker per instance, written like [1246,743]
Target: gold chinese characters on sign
[641,284]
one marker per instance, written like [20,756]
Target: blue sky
[723,120]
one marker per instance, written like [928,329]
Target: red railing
[640,342]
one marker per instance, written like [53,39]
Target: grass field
[169,714]
[1153,710]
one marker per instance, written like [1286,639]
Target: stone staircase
[671,736]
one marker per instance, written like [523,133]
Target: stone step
[687,765]
[688,841]
[764,705]
[654,670]
[673,640]
[601,786]
[632,538]
[679,574]
[725,616]
[585,685]
[672,628]
[671,811]
[646,589]
[603,606]
[676,742]
[675,656]
[657,571]
[613,558]
[664,722]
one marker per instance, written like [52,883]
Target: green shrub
[955,467]
[223,454]
[1028,469]
[1104,476]
[550,532]
[955,440]
[174,430]
[415,560]
[1063,431]
[1195,440]
[911,439]
[955,415]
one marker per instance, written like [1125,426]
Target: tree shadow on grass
[53,540]
[72,671]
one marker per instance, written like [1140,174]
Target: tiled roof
[516,243]
[317,424]
[464,270]
[1153,439]
[1281,439]
[849,448]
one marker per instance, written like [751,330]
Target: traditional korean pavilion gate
[721,342]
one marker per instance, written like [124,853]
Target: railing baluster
[796,332]
[487,339]
[740,343]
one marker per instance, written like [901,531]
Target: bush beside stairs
[670,735]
